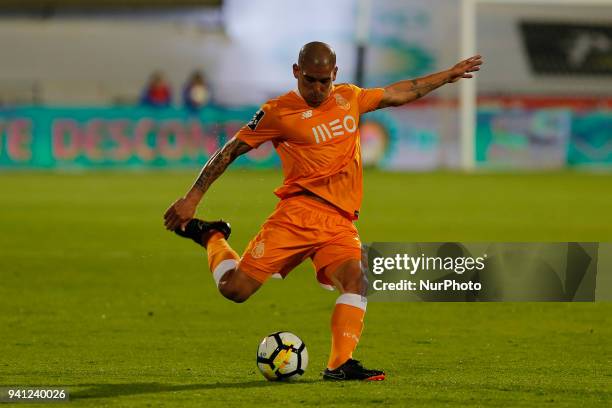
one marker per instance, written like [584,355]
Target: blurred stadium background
[73,72]
[97,297]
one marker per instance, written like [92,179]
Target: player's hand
[463,69]
[179,214]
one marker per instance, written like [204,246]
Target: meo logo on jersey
[324,132]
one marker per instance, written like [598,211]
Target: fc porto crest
[258,249]
[341,102]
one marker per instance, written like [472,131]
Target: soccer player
[314,129]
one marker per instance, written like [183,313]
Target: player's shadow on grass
[118,390]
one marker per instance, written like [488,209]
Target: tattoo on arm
[415,88]
[426,85]
[407,91]
[218,162]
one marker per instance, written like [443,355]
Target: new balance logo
[307,114]
[335,128]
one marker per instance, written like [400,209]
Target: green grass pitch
[97,297]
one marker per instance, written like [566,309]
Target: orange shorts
[301,227]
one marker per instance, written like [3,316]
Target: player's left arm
[404,92]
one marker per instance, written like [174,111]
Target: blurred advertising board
[120,137]
[568,48]
[422,137]
[523,139]
[409,139]
[591,142]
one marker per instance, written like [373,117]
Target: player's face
[314,83]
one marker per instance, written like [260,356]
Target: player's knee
[357,285]
[233,293]
[233,290]
[238,297]
[354,280]
[236,286]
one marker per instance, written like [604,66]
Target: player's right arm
[263,127]
[183,209]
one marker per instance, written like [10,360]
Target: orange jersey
[319,147]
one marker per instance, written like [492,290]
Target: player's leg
[349,310]
[347,322]
[339,264]
[223,261]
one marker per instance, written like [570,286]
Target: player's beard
[315,101]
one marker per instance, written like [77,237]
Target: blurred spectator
[196,93]
[157,92]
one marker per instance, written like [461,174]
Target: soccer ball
[282,356]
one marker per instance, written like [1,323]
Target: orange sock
[346,326]
[221,256]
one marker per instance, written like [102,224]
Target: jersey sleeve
[368,98]
[261,128]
